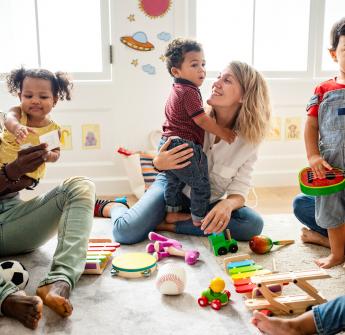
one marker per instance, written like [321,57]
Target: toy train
[222,243]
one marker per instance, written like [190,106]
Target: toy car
[215,295]
[222,243]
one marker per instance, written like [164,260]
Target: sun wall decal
[155,8]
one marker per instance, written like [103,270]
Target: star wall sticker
[162,58]
[131,18]
[135,62]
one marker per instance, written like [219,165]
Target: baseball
[171,279]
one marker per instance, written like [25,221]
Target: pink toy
[162,247]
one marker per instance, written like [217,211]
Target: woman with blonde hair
[240,101]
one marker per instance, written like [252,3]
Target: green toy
[222,243]
[215,295]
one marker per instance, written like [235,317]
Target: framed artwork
[274,133]
[293,128]
[90,136]
[66,138]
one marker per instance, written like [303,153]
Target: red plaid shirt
[184,104]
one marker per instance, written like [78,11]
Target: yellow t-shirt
[9,147]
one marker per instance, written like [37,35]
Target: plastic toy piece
[311,185]
[261,244]
[215,295]
[124,151]
[162,246]
[222,243]
[99,254]
[288,304]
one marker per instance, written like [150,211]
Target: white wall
[132,104]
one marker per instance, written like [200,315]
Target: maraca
[261,244]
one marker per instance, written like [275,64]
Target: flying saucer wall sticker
[155,8]
[137,41]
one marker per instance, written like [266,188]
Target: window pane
[70,35]
[17,34]
[334,11]
[281,35]
[224,28]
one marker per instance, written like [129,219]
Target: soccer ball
[15,272]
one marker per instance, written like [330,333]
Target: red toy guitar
[310,185]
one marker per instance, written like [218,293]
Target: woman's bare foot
[330,261]
[25,309]
[311,236]
[276,326]
[56,297]
[176,217]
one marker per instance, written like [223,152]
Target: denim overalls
[330,210]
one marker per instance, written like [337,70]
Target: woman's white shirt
[230,166]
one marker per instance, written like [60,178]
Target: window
[72,36]
[281,38]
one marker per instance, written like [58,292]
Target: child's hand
[319,166]
[229,135]
[21,132]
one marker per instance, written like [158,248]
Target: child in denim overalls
[325,145]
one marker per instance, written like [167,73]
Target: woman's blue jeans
[330,316]
[304,210]
[133,225]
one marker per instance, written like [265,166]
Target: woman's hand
[28,160]
[173,159]
[218,218]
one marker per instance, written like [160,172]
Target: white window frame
[105,74]
[315,41]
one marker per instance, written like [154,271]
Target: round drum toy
[134,265]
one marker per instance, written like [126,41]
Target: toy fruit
[261,244]
[215,295]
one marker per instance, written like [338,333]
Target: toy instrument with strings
[332,183]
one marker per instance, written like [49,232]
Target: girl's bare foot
[311,236]
[25,309]
[176,217]
[275,326]
[56,297]
[329,262]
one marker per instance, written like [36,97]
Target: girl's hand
[319,166]
[21,132]
[173,159]
[218,218]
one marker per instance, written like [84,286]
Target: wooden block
[250,274]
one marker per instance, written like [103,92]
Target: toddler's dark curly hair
[176,51]
[61,83]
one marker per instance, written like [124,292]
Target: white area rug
[111,305]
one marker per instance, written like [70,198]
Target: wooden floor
[270,200]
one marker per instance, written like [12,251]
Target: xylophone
[264,288]
[241,268]
[99,254]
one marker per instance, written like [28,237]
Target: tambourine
[134,265]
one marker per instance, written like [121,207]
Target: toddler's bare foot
[25,309]
[274,326]
[176,217]
[55,296]
[311,236]
[330,261]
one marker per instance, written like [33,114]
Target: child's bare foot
[173,217]
[330,261]
[311,236]
[25,309]
[274,326]
[55,296]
